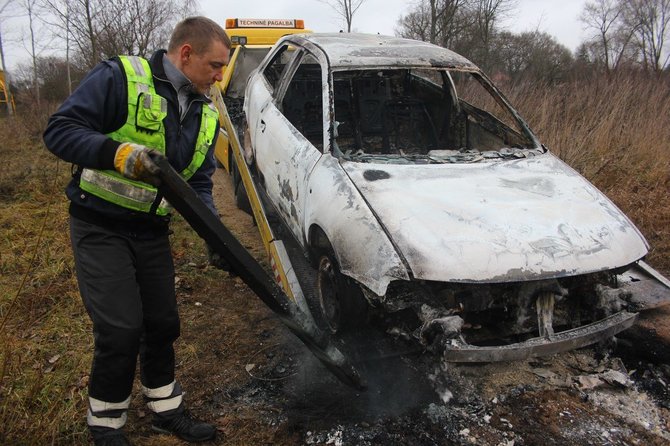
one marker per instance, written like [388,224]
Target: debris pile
[576,398]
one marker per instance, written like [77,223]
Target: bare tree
[435,21]
[31,9]
[444,16]
[416,24]
[74,22]
[100,29]
[67,48]
[51,71]
[137,27]
[466,26]
[486,15]
[345,9]
[612,32]
[453,21]
[530,55]
[4,7]
[651,19]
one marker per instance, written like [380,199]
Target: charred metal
[419,191]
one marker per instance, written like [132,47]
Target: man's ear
[185,52]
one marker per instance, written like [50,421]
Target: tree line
[624,35]
[89,31]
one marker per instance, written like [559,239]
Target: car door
[263,87]
[289,138]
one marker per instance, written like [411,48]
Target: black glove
[216,260]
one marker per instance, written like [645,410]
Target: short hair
[199,32]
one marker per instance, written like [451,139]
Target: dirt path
[249,375]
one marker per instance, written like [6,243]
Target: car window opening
[303,102]
[422,116]
[275,68]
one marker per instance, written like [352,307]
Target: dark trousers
[127,286]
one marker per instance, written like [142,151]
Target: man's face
[203,69]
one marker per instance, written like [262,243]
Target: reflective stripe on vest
[144,125]
[122,191]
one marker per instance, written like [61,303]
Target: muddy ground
[247,374]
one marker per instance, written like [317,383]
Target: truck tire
[239,193]
[241,198]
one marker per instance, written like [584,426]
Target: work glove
[134,161]
[216,260]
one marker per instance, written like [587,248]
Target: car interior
[407,112]
[302,104]
[400,112]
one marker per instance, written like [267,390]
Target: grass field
[44,332]
[615,132]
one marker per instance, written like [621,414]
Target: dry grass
[615,132]
[43,332]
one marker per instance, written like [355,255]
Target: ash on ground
[583,397]
[274,391]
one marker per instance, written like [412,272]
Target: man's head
[200,48]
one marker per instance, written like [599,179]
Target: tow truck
[252,40]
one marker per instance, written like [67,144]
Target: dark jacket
[77,132]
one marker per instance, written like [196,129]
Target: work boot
[105,436]
[182,424]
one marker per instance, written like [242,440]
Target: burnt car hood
[501,221]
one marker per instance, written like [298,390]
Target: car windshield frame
[531,146]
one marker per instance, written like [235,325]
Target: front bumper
[456,350]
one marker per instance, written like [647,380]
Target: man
[126,111]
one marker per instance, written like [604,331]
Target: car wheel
[341,302]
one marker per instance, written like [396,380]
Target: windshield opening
[424,116]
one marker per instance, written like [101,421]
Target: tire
[239,193]
[341,304]
[234,175]
[241,199]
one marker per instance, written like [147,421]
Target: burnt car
[416,189]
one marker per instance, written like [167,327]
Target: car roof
[352,50]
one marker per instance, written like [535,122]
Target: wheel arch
[318,242]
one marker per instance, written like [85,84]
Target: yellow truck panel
[6,99]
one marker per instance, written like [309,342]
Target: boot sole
[183,437]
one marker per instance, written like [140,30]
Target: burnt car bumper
[456,350]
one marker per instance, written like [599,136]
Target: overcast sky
[560,18]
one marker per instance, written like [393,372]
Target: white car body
[503,220]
